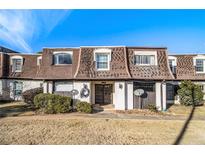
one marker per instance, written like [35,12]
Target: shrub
[51,103]
[190,94]
[152,108]
[29,95]
[84,107]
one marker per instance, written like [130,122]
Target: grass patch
[87,131]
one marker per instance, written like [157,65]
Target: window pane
[102,65]
[102,61]
[18,87]
[144,59]
[63,58]
[170,62]
[137,59]
[102,57]
[16,64]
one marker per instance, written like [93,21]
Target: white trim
[59,52]
[15,57]
[38,60]
[147,53]
[102,51]
[11,62]
[63,52]
[174,63]
[194,62]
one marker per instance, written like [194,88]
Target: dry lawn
[96,129]
[46,130]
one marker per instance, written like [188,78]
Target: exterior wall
[6,88]
[48,87]
[129,93]
[79,86]
[119,95]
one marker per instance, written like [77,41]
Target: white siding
[7,87]
[79,86]
[130,95]
[119,99]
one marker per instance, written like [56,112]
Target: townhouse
[126,77]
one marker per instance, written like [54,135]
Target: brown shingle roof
[185,69]
[118,65]
[29,68]
[155,72]
[49,71]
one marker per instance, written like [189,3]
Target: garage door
[63,86]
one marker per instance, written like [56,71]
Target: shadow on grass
[184,128]
[14,110]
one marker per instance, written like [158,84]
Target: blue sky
[181,31]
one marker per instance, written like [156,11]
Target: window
[102,58]
[18,87]
[202,87]
[172,65]
[62,58]
[39,61]
[102,61]
[17,65]
[199,65]
[144,59]
[61,86]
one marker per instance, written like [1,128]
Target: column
[129,93]
[158,96]
[164,97]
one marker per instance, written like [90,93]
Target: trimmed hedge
[84,107]
[28,95]
[51,103]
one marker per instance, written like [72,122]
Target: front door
[103,94]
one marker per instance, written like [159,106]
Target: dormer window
[102,59]
[199,63]
[145,58]
[39,61]
[172,64]
[16,62]
[62,58]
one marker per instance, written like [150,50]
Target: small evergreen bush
[84,107]
[28,95]
[190,94]
[152,108]
[51,103]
